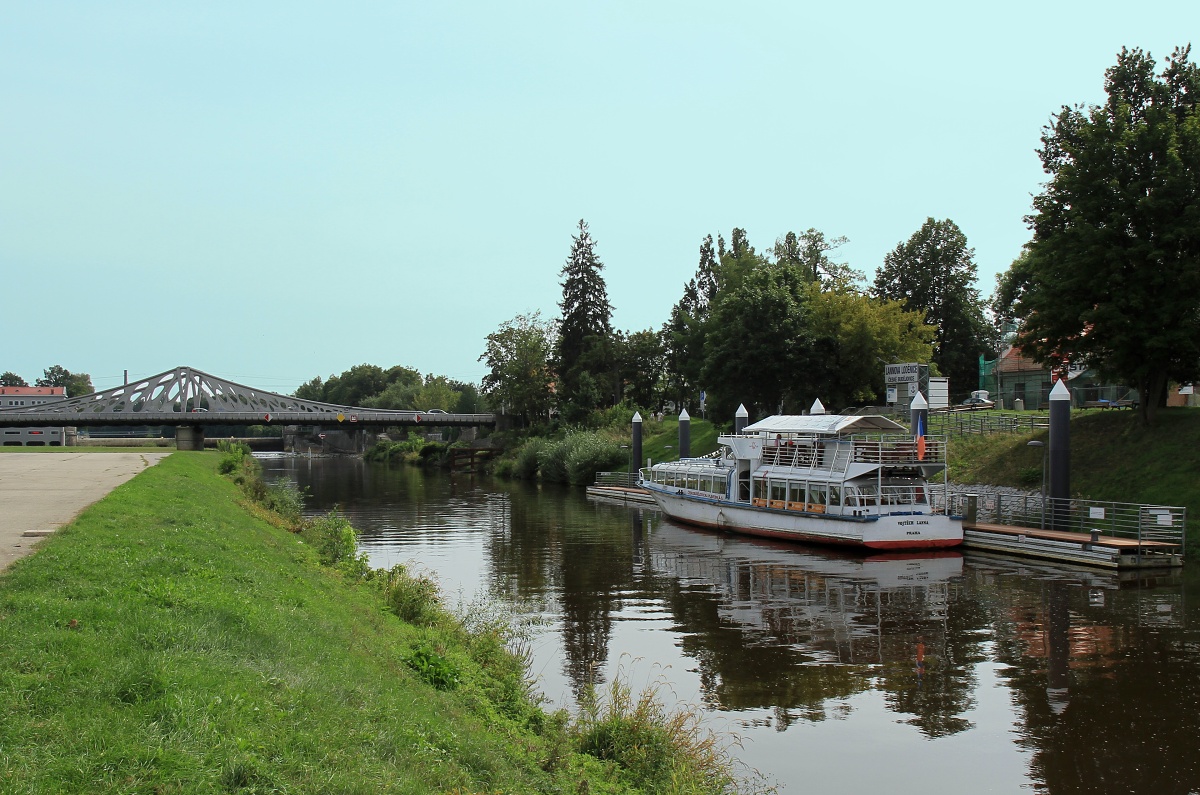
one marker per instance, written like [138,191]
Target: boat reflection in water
[797,630]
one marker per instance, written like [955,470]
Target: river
[888,674]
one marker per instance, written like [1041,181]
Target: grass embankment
[1112,458]
[660,440]
[172,640]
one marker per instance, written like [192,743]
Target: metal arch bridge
[186,396]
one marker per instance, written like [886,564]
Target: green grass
[660,440]
[172,640]
[1112,458]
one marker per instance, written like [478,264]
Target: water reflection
[942,670]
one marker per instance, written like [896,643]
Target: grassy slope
[660,440]
[168,642]
[1112,458]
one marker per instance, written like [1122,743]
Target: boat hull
[893,531]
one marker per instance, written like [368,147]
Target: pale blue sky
[274,191]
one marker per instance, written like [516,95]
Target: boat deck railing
[890,449]
[895,448]
[1143,523]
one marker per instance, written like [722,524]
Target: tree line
[399,387]
[774,330]
[75,384]
[1110,280]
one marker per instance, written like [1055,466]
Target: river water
[887,674]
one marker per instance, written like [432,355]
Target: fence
[626,479]
[966,423]
[1165,523]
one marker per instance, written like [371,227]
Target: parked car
[434,411]
[977,403]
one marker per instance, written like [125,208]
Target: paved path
[41,492]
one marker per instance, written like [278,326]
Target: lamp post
[1037,443]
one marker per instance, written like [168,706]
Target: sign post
[905,380]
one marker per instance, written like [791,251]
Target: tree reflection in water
[1099,677]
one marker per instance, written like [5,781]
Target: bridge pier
[189,437]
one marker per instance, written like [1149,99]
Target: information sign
[907,373]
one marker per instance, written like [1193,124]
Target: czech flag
[920,437]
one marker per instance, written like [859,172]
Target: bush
[528,457]
[657,750]
[592,453]
[552,459]
[412,599]
[433,667]
[618,418]
[577,458]
[333,537]
[285,499]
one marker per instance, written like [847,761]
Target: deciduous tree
[1111,278]
[934,272]
[853,336]
[75,384]
[10,378]
[759,344]
[518,360]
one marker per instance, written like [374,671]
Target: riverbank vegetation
[1111,459]
[172,640]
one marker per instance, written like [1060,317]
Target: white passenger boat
[831,479]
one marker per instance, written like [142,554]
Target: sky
[274,191]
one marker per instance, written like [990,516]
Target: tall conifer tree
[584,354]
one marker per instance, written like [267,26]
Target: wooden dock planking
[1122,544]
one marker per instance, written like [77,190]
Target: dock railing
[1161,523]
[625,479]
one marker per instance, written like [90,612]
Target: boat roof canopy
[823,424]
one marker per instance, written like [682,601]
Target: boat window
[835,495]
[706,483]
[796,491]
[778,490]
[816,493]
[692,482]
[851,495]
[719,483]
[760,488]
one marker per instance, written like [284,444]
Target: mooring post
[685,435]
[918,415]
[1060,456]
[635,452]
[741,418]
